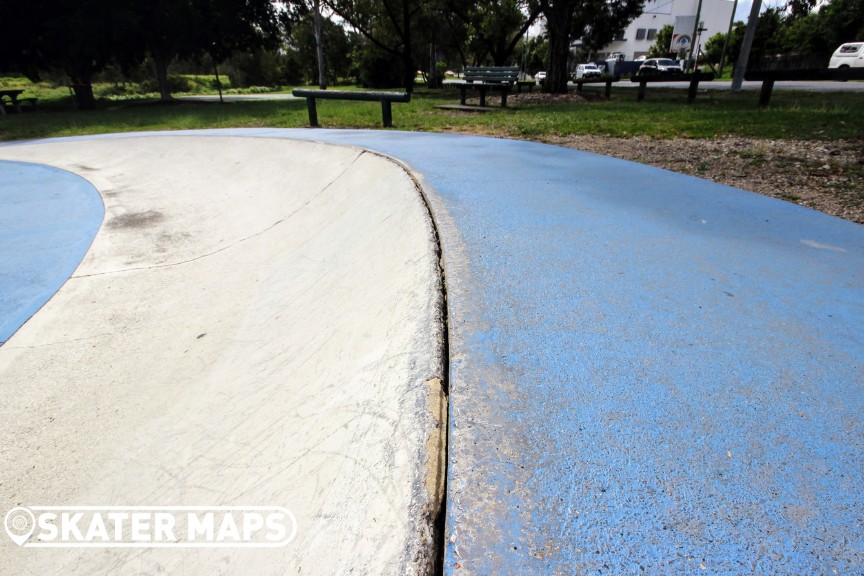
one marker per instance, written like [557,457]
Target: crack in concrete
[233,244]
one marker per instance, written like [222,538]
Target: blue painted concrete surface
[649,372]
[48,218]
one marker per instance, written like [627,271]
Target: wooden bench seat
[386,99]
[693,79]
[768,77]
[607,80]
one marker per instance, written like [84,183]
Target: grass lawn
[664,114]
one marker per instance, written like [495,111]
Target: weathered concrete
[255,324]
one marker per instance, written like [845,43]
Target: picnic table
[14,100]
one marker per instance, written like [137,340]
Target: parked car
[540,77]
[849,55]
[660,66]
[588,71]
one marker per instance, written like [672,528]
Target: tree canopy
[595,22]
[378,42]
[81,37]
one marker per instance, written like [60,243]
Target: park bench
[608,80]
[386,99]
[485,78]
[693,79]
[768,77]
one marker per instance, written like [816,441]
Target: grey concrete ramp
[258,322]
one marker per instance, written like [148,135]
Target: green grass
[663,114]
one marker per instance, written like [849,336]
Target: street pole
[698,44]
[695,31]
[744,56]
[216,71]
[728,35]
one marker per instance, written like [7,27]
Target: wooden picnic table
[13,95]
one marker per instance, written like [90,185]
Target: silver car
[660,66]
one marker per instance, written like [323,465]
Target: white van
[849,55]
[588,71]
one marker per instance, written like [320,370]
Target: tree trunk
[84,95]
[319,45]
[558,19]
[82,87]
[559,54]
[435,79]
[410,71]
[162,78]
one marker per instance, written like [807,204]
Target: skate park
[440,352]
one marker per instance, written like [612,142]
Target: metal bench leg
[462,95]
[313,112]
[504,98]
[386,113]
[483,96]
[765,93]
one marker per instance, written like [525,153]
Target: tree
[610,18]
[493,27]
[536,53]
[319,44]
[78,38]
[713,50]
[838,22]
[594,21]
[335,45]
[82,37]
[662,42]
[163,30]
[388,25]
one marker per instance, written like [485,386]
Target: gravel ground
[823,175]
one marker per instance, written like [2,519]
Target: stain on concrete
[136,220]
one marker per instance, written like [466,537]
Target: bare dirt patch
[533,97]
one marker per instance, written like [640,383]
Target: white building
[640,35]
